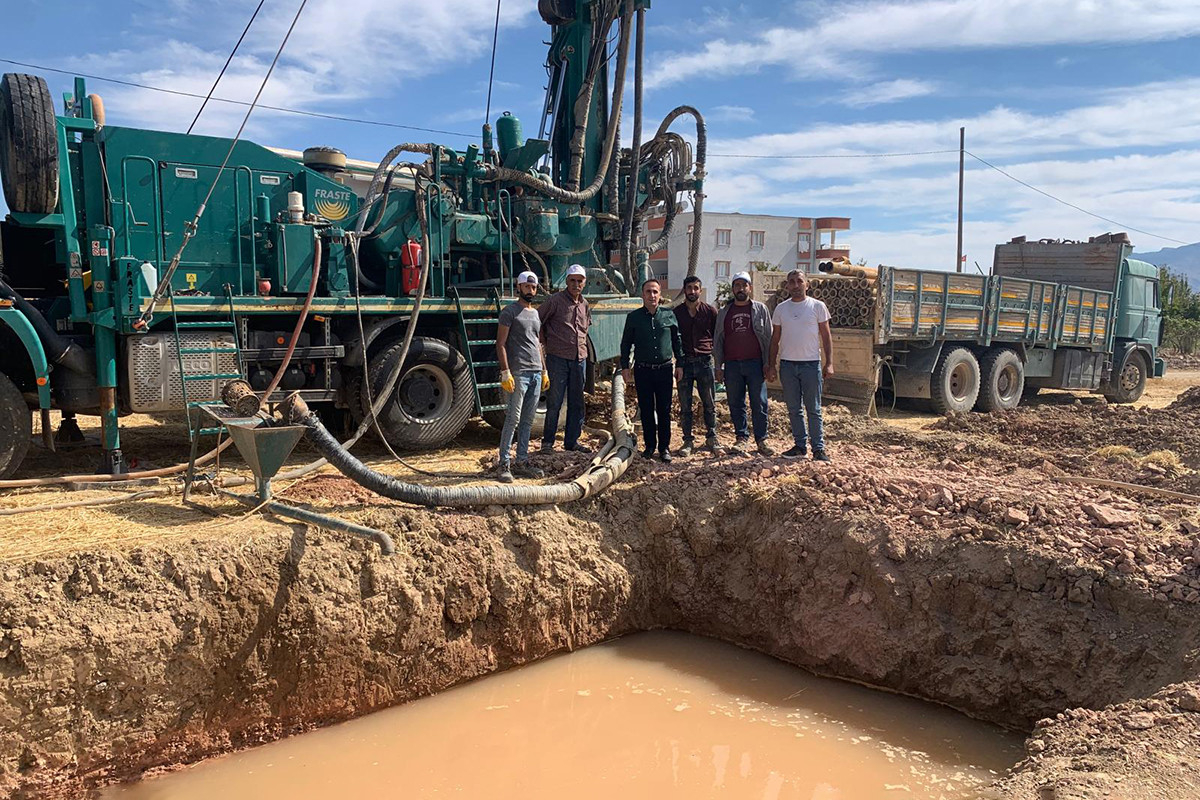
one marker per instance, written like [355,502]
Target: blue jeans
[802,382]
[740,377]
[697,371]
[522,406]
[566,381]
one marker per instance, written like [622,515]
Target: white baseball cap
[576,269]
[527,277]
[741,276]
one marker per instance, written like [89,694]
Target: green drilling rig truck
[143,270]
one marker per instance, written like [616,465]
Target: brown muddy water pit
[650,715]
[991,593]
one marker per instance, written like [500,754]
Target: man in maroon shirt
[566,318]
[741,345]
[697,320]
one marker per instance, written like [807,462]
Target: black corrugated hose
[604,471]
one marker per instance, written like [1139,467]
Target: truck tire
[1002,380]
[432,401]
[28,144]
[496,418]
[954,384]
[16,427]
[1127,385]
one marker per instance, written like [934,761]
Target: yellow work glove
[506,381]
[545,381]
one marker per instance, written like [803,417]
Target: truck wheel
[954,384]
[1128,385]
[1002,382]
[432,400]
[28,144]
[16,427]
[496,418]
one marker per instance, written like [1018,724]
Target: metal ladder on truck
[185,378]
[476,362]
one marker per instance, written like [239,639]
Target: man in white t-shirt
[800,335]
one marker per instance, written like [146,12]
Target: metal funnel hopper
[264,449]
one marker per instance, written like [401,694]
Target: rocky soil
[954,564]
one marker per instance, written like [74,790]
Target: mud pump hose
[594,480]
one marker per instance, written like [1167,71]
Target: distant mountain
[1185,260]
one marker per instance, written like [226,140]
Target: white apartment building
[731,243]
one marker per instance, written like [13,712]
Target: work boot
[820,455]
[578,448]
[504,474]
[795,452]
[686,450]
[523,469]
[765,449]
[713,446]
[648,453]
[740,445]
[665,456]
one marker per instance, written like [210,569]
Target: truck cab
[1138,323]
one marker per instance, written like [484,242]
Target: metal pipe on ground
[386,545]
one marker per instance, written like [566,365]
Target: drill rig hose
[596,479]
[547,189]
[701,160]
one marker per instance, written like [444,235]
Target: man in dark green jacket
[652,333]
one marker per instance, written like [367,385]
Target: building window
[803,244]
[757,238]
[641,243]
[722,268]
[724,237]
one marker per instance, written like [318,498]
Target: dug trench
[1061,610]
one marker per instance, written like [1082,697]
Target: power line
[181,93]
[833,155]
[1072,205]
[228,61]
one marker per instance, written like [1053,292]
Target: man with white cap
[741,345]
[566,318]
[522,375]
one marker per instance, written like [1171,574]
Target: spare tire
[28,144]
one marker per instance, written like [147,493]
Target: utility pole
[962,142]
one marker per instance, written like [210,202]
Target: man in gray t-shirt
[522,376]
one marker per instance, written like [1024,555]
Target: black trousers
[654,384]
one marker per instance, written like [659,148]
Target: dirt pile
[1137,749]
[1157,447]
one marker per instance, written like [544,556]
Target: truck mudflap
[21,326]
[1160,368]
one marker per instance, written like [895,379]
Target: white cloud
[885,26]
[730,114]
[887,92]
[333,55]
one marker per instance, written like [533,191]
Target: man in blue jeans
[566,318]
[697,320]
[799,337]
[741,341]
[522,375]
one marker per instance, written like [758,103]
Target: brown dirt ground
[945,560]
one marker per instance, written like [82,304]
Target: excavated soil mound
[1010,596]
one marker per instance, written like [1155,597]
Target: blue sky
[1094,101]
